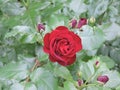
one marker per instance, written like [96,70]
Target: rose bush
[62,45]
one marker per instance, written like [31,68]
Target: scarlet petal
[46,43]
[52,59]
[61,28]
[77,41]
[67,61]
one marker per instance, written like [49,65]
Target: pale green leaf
[63,72]
[69,86]
[17,86]
[17,71]
[13,8]
[30,86]
[44,79]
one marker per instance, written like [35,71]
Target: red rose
[62,45]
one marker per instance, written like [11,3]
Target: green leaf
[118,88]
[16,86]
[56,20]
[60,88]
[17,71]
[115,54]
[78,6]
[112,31]
[87,69]
[109,62]
[44,79]
[69,86]
[63,72]
[23,34]
[30,86]
[101,8]
[13,8]
[41,55]
[92,39]
[97,88]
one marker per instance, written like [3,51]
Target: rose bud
[73,23]
[102,79]
[82,21]
[97,64]
[79,74]
[80,82]
[40,27]
[92,20]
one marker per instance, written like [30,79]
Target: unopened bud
[80,82]
[102,79]
[97,64]
[73,23]
[92,20]
[79,74]
[82,21]
[40,27]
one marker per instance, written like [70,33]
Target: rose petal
[67,61]
[46,47]
[61,28]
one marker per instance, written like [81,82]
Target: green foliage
[25,66]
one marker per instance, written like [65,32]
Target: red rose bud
[40,27]
[82,21]
[97,64]
[62,45]
[73,23]
[102,79]
[80,82]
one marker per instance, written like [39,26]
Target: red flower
[103,79]
[62,45]
[82,21]
[40,27]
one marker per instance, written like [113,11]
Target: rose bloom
[61,45]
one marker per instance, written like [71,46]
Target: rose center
[63,47]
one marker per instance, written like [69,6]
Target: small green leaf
[118,88]
[16,71]
[41,55]
[30,86]
[63,72]
[87,69]
[101,7]
[115,54]
[44,79]
[16,86]
[13,8]
[69,86]
[109,62]
[97,88]
[78,6]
